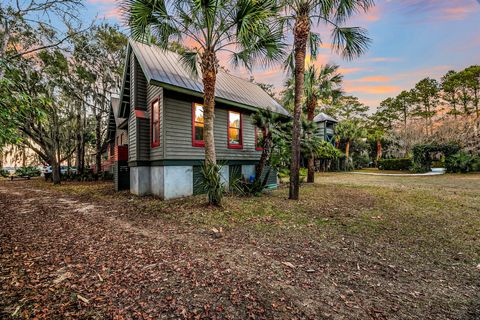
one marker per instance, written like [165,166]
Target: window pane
[155,112]
[234,118]
[234,134]
[199,113]
[198,131]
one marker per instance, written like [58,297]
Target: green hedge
[395,164]
[462,162]
[28,171]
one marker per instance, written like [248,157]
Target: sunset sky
[411,39]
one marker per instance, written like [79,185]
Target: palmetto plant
[300,15]
[248,30]
[321,86]
[349,130]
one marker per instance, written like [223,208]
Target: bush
[4,173]
[360,161]
[28,171]
[462,162]
[212,183]
[395,164]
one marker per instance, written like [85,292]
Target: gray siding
[132,119]
[138,128]
[178,133]
[153,93]
[140,87]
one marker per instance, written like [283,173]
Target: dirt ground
[354,247]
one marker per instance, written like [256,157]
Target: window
[234,130]
[198,123]
[155,124]
[259,136]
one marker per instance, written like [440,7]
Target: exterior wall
[178,182]
[178,131]
[140,181]
[138,126]
[157,181]
[326,130]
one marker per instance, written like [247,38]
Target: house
[326,125]
[160,113]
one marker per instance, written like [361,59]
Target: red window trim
[154,143]
[197,143]
[235,146]
[256,139]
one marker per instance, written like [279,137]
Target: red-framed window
[235,130]
[155,123]
[198,125]
[259,137]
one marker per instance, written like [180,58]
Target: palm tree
[246,29]
[349,41]
[323,86]
[270,125]
[349,130]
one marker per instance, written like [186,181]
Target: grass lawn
[353,247]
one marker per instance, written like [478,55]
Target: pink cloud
[380,89]
[383,59]
[350,70]
[372,79]
[114,12]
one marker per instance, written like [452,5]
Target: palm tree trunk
[311,104]
[267,148]
[379,149]
[347,149]
[209,78]
[301,30]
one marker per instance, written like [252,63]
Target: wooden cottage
[326,126]
[160,111]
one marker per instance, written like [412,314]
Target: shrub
[212,183]
[462,162]
[4,173]
[28,171]
[395,164]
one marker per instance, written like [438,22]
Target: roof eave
[200,94]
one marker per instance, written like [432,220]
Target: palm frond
[350,42]
[189,59]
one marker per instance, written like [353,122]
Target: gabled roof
[164,68]
[113,117]
[323,117]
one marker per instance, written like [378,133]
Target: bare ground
[354,247]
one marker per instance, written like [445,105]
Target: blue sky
[411,39]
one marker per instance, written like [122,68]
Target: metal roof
[323,117]
[165,67]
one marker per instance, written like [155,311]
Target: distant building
[326,125]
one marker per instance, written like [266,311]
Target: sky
[411,40]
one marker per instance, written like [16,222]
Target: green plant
[462,162]
[27,171]
[395,164]
[211,182]
[422,154]
[4,173]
